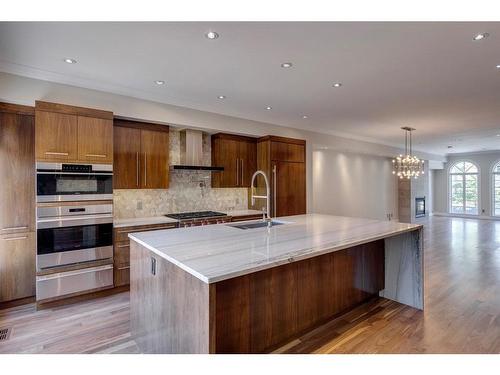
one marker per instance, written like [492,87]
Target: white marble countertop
[135,221]
[214,253]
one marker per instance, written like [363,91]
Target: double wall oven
[74,229]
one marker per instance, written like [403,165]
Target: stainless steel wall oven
[74,229]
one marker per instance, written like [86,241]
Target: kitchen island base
[173,311]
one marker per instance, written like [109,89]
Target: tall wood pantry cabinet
[17,202]
[284,162]
[140,155]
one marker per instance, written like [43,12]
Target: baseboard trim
[81,297]
[480,217]
[16,302]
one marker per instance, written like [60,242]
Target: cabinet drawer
[121,234]
[17,266]
[122,275]
[122,253]
[60,284]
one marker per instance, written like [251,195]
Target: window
[496,189]
[464,191]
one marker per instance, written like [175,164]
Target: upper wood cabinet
[95,140]
[56,136]
[140,155]
[73,134]
[238,156]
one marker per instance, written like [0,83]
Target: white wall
[349,184]
[23,90]
[485,162]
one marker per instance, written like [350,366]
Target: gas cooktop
[195,215]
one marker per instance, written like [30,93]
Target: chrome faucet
[267,197]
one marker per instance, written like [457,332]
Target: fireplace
[420,207]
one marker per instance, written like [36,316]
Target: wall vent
[4,334]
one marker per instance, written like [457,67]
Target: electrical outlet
[139,205]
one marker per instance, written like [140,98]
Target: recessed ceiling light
[212,35]
[286,65]
[70,61]
[222,97]
[480,36]
[305,116]
[159,82]
[337,84]
[498,135]
[269,108]
[498,66]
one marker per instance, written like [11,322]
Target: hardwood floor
[462,309]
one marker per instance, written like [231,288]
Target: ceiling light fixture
[305,116]
[407,165]
[159,82]
[498,66]
[70,61]
[337,84]
[222,97]
[480,36]
[269,108]
[286,65]
[212,35]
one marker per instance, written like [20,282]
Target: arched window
[496,189]
[464,188]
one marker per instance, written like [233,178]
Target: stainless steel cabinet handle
[123,268]
[274,190]
[137,169]
[120,246]
[96,155]
[145,171]
[241,172]
[14,228]
[16,238]
[56,153]
[153,266]
[237,173]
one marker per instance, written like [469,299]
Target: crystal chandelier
[407,165]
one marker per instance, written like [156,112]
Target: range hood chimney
[191,157]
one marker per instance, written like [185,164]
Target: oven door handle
[75,220]
[75,272]
[95,173]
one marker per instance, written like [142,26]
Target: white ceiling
[431,76]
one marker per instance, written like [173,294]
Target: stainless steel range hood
[191,152]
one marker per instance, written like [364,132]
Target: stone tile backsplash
[188,191]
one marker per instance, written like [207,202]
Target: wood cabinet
[95,140]
[121,248]
[238,156]
[17,266]
[56,136]
[284,162]
[140,155]
[73,134]
[17,202]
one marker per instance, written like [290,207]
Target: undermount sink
[259,224]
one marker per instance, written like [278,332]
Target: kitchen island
[223,289]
